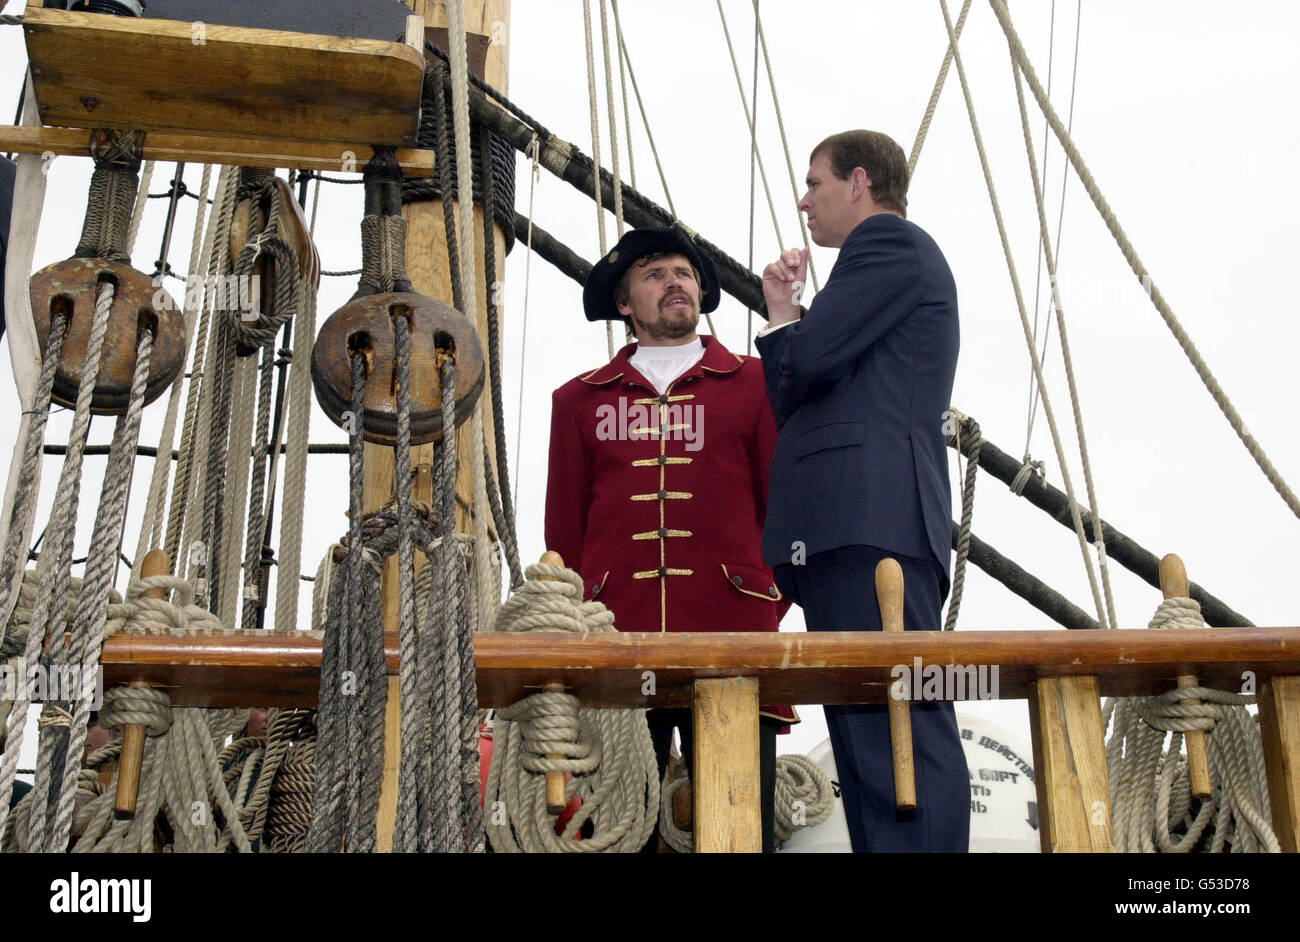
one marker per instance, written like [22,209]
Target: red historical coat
[658,501]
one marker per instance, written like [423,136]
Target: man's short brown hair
[879,155]
[622,293]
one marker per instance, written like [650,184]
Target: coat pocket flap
[752,580]
[834,435]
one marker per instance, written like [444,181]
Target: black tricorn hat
[598,292]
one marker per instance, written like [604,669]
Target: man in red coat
[657,488]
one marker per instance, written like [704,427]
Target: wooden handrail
[282,669]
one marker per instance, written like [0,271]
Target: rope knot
[142,706]
[1028,468]
[1178,612]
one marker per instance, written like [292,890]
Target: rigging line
[1024,316]
[1130,255]
[1065,342]
[595,152]
[753,152]
[615,168]
[1065,179]
[785,144]
[622,81]
[645,120]
[933,103]
[749,120]
[533,175]
[1038,254]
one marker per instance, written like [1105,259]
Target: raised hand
[783,284]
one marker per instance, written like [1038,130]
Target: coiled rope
[607,753]
[1151,793]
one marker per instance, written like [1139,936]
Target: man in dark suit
[859,386]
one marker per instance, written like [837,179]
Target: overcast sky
[1184,116]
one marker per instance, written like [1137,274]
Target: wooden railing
[724,676]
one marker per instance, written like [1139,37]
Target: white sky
[1177,114]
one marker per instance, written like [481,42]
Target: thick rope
[92,605]
[193,446]
[55,562]
[606,753]
[488,595]
[498,490]
[152,522]
[926,118]
[975,439]
[300,405]
[1130,255]
[803,798]
[1151,799]
[1105,617]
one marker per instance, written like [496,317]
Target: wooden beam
[1279,725]
[152,74]
[726,785]
[281,669]
[324,156]
[1070,766]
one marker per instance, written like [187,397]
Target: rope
[595,152]
[607,754]
[749,120]
[353,687]
[107,231]
[54,564]
[193,448]
[803,797]
[1045,239]
[926,118]
[87,637]
[785,143]
[1150,785]
[141,199]
[15,543]
[300,405]
[502,505]
[1024,320]
[976,440]
[645,120]
[151,525]
[488,595]
[1130,255]
[523,341]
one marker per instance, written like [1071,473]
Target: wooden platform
[266,669]
[93,70]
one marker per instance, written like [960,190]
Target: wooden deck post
[726,787]
[1279,725]
[1070,765]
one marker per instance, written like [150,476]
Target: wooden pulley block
[72,287]
[367,325]
[293,229]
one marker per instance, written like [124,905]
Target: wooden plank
[1070,766]
[325,156]
[726,785]
[268,668]
[150,74]
[1279,725]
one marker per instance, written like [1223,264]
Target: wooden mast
[427,265]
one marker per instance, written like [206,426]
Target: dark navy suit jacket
[859,387]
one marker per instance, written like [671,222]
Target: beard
[669,325]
